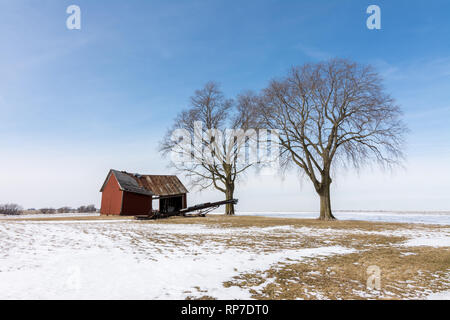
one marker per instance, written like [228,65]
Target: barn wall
[111,198]
[136,204]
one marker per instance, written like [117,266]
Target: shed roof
[147,184]
[162,185]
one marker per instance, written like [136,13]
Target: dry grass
[221,221]
[261,222]
[249,221]
[405,273]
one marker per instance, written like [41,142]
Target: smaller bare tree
[209,139]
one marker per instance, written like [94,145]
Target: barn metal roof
[127,183]
[162,185]
[147,184]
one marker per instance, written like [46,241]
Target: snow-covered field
[55,215]
[442,218]
[118,259]
[126,259]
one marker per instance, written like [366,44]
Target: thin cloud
[313,52]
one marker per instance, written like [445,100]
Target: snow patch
[130,260]
[444,295]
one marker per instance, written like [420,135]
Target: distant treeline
[15,209]
[10,209]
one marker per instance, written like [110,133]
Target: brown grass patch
[261,222]
[422,271]
[223,221]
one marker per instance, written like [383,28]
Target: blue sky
[75,103]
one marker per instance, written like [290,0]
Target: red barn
[132,194]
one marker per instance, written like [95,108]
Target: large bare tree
[333,114]
[209,140]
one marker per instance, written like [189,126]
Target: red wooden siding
[111,198]
[136,204]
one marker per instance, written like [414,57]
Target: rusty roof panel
[159,185]
[162,185]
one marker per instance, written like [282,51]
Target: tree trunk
[325,202]
[229,208]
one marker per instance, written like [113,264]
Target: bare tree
[64,210]
[91,208]
[86,209]
[215,132]
[10,209]
[48,210]
[333,114]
